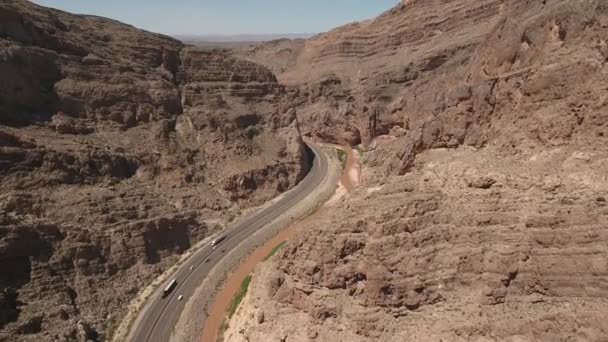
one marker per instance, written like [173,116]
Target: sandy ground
[352,169]
[218,309]
[351,176]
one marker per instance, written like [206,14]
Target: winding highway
[159,316]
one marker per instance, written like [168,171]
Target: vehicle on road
[172,284]
[217,241]
[180,297]
[191,268]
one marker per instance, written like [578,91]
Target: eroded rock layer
[447,69]
[119,150]
[469,245]
[482,212]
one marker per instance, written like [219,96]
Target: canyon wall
[119,150]
[482,211]
[444,59]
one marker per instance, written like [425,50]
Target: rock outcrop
[483,207]
[119,150]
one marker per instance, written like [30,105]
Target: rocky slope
[120,149]
[483,206]
[472,245]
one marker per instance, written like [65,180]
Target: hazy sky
[228,16]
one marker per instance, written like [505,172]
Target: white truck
[169,287]
[217,241]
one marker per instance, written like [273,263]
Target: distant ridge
[240,37]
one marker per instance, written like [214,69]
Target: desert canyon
[481,213]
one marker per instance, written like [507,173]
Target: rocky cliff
[482,211]
[351,83]
[449,59]
[120,149]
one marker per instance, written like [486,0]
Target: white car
[180,297]
[191,268]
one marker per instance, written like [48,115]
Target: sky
[228,17]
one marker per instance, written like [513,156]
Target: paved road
[160,315]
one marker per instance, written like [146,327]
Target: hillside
[482,212]
[119,150]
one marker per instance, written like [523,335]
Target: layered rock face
[351,81]
[119,150]
[432,58]
[482,211]
[472,245]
